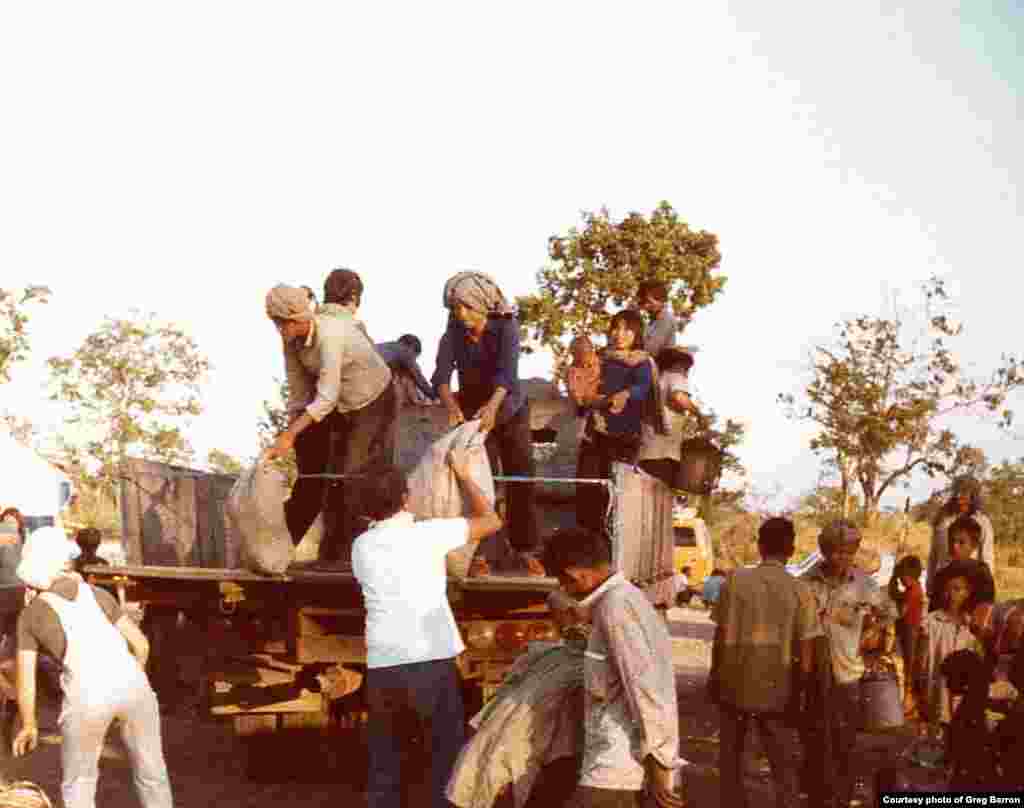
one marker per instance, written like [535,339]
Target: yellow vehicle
[693,544]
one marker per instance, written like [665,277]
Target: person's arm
[483,520]
[28,737]
[444,367]
[137,641]
[506,372]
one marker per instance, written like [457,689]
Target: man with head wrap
[482,344]
[342,408]
[845,597]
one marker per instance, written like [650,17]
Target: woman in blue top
[482,344]
[615,415]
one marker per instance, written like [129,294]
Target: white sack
[255,507]
[435,493]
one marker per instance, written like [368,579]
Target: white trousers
[84,727]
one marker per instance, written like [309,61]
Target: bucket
[700,466]
[880,702]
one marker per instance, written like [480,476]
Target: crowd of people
[788,652]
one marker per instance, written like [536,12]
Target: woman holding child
[626,394]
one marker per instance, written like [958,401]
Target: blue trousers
[431,692]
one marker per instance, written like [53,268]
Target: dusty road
[207,762]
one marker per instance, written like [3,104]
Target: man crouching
[103,655]
[630,708]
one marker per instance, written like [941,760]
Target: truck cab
[693,547]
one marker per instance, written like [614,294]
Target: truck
[288,653]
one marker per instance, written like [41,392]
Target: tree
[879,400]
[1003,493]
[603,264]
[129,386]
[14,342]
[223,463]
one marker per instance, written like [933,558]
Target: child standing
[943,632]
[964,540]
[907,574]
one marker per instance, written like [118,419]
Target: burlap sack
[255,507]
[434,493]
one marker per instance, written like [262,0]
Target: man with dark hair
[631,714]
[89,540]
[411,636]
[765,620]
[652,297]
[402,357]
[342,409]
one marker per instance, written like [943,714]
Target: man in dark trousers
[765,619]
[412,639]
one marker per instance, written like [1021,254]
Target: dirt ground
[208,764]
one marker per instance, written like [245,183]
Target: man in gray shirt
[662,324]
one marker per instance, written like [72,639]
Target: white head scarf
[45,557]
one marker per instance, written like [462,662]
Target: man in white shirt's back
[411,636]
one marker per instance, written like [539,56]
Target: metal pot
[880,702]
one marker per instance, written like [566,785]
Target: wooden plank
[336,648]
[270,699]
[248,725]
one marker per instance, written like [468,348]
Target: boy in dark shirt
[89,540]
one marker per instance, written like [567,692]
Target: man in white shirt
[411,636]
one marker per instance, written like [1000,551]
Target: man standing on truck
[342,408]
[103,655]
[660,333]
[402,357]
[411,635]
[630,710]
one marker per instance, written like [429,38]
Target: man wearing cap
[845,596]
[103,655]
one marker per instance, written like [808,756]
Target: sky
[182,159]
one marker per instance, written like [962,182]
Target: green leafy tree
[598,268]
[129,387]
[14,341]
[1003,492]
[878,399]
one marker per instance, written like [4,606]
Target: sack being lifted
[434,493]
[255,507]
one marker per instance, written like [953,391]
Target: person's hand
[26,740]
[487,414]
[617,402]
[458,461]
[455,417]
[659,785]
[279,448]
